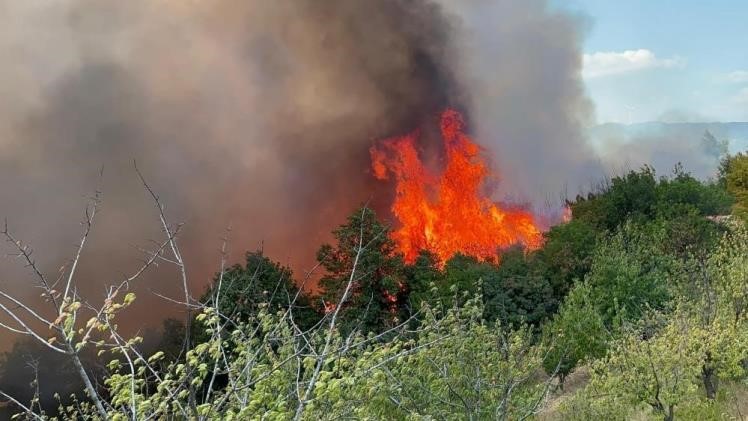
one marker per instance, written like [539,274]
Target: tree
[630,274]
[518,294]
[640,196]
[734,175]
[660,371]
[240,290]
[566,255]
[464,368]
[678,203]
[682,193]
[577,332]
[675,359]
[720,310]
[377,299]
[513,292]
[464,277]
[424,282]
[171,342]
[631,196]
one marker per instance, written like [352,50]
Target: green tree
[660,371]
[577,333]
[720,308]
[713,147]
[424,282]
[518,293]
[734,173]
[566,255]
[514,292]
[464,369]
[463,275]
[678,203]
[682,193]
[172,339]
[32,373]
[630,274]
[631,196]
[640,196]
[378,298]
[241,289]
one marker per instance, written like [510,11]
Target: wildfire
[449,212]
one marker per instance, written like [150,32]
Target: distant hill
[735,132]
[663,145]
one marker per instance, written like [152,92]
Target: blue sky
[671,60]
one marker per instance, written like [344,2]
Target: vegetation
[734,176]
[646,287]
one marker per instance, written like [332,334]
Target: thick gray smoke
[520,64]
[259,115]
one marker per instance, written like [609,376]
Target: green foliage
[659,371]
[364,246]
[729,272]
[456,367]
[629,275]
[520,293]
[719,310]
[734,174]
[514,292]
[713,147]
[421,277]
[466,369]
[31,372]
[462,273]
[689,235]
[675,204]
[681,192]
[672,363]
[577,333]
[632,196]
[240,290]
[567,254]
[654,298]
[640,196]
[172,339]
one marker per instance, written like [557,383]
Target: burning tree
[448,212]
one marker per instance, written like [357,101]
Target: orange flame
[448,213]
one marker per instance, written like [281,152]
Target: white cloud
[614,63]
[738,76]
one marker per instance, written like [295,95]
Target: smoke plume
[259,115]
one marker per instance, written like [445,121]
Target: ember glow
[448,211]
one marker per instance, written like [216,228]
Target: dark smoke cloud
[259,115]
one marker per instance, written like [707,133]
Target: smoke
[698,147]
[259,115]
[520,62]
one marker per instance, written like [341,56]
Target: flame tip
[447,214]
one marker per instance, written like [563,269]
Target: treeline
[646,287]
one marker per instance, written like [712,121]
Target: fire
[447,213]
